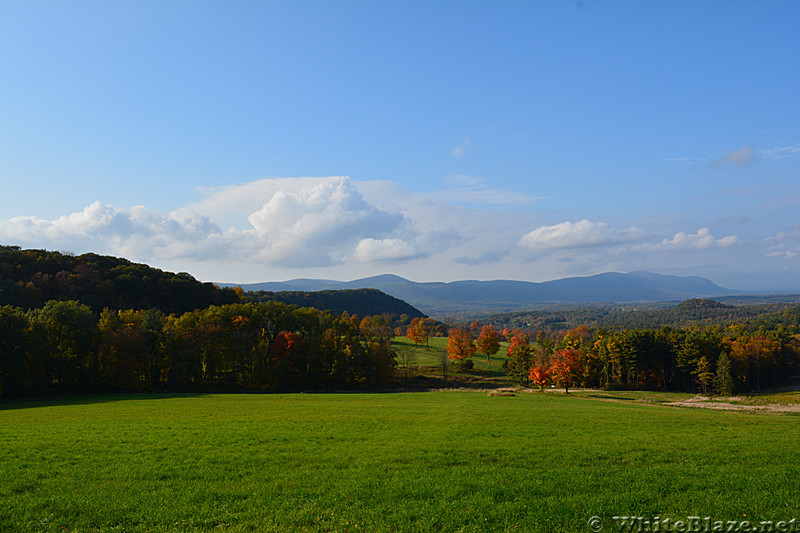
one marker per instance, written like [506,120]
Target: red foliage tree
[539,376]
[285,346]
[565,367]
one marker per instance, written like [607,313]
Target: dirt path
[703,402]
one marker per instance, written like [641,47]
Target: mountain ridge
[498,295]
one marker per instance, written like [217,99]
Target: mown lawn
[429,357]
[441,461]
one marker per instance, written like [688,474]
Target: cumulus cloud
[371,250]
[312,223]
[246,198]
[701,240]
[341,228]
[132,232]
[319,225]
[582,234]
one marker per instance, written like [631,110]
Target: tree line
[692,312]
[31,278]
[63,347]
[707,359]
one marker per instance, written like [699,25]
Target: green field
[441,461]
[427,364]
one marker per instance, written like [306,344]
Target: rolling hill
[31,278]
[360,302]
[439,298]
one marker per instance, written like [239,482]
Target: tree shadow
[10,404]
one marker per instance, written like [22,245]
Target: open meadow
[439,461]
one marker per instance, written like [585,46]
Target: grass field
[441,461]
[427,363]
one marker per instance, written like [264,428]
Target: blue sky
[251,141]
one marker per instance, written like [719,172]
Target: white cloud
[134,232]
[318,225]
[700,240]
[582,234]
[305,223]
[785,244]
[338,228]
[246,198]
[274,226]
[784,254]
[789,234]
[378,250]
[782,152]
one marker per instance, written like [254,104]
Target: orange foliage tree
[488,342]
[539,376]
[460,344]
[419,330]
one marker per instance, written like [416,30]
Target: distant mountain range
[501,295]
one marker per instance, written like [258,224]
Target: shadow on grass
[85,399]
[458,381]
[610,397]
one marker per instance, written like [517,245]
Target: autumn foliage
[565,367]
[420,330]
[488,342]
[460,344]
[539,376]
[64,348]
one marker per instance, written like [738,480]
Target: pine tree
[723,381]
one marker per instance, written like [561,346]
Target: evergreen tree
[723,381]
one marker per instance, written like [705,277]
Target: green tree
[723,381]
[14,331]
[704,374]
[519,357]
[67,334]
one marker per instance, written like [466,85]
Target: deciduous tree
[460,344]
[539,376]
[417,331]
[488,342]
[565,367]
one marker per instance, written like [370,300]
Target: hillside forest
[97,324]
